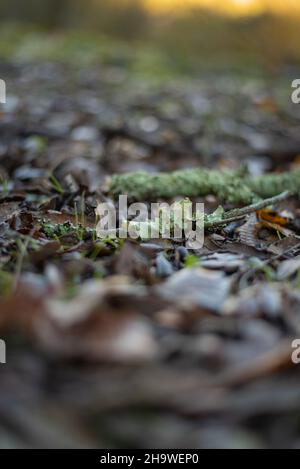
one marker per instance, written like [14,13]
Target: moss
[57,230]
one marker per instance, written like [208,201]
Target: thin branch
[240,213]
[258,205]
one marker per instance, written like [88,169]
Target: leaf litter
[143,343]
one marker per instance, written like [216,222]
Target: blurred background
[182,36]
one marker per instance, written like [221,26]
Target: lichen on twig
[235,187]
[240,213]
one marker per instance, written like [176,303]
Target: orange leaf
[271,216]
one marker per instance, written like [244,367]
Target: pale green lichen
[228,186]
[186,183]
[271,184]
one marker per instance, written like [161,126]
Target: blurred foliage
[83,48]
[122,30]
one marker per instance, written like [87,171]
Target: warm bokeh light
[228,6]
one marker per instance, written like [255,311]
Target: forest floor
[144,344]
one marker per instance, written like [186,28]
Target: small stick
[240,213]
[258,205]
[225,221]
